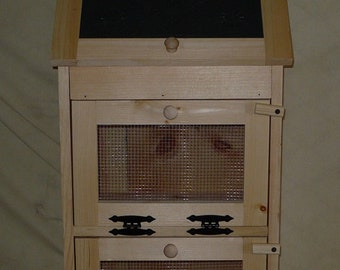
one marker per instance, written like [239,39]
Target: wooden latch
[269,249]
[268,109]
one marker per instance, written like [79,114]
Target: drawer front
[188,52]
[180,253]
[212,82]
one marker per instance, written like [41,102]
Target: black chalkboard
[165,18]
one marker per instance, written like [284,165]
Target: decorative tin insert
[165,18]
[171,162]
[173,265]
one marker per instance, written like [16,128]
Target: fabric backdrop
[30,201]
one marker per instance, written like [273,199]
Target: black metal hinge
[210,225]
[132,225]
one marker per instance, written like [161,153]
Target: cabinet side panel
[66,169]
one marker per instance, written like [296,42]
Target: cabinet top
[206,32]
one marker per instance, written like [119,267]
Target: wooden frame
[238,80]
[276,167]
[170,82]
[88,114]
[65,166]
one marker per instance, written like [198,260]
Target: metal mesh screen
[171,162]
[171,265]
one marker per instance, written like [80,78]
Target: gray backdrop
[30,211]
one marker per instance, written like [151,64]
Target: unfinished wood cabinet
[171,121]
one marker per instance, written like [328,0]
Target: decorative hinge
[268,109]
[210,224]
[132,225]
[269,249]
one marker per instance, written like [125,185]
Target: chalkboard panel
[164,18]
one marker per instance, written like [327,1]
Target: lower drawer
[168,253]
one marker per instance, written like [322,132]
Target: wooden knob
[170,112]
[170,251]
[171,44]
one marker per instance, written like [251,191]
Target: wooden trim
[150,249]
[66,32]
[251,261]
[87,254]
[191,52]
[170,83]
[256,169]
[275,167]
[65,166]
[278,41]
[175,231]
[170,214]
[85,167]
[189,112]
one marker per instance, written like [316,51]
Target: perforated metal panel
[172,265]
[171,162]
[164,18]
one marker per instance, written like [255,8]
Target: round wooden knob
[170,112]
[170,251]
[171,44]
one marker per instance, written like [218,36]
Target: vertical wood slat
[278,41]
[256,169]
[87,254]
[66,32]
[251,261]
[66,169]
[85,165]
[275,167]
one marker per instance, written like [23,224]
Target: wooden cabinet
[171,147]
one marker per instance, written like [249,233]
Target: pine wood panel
[170,82]
[85,169]
[87,254]
[278,41]
[66,32]
[253,261]
[191,52]
[188,248]
[65,166]
[170,214]
[256,169]
[189,112]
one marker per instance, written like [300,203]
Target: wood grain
[278,41]
[65,166]
[170,82]
[191,52]
[66,32]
